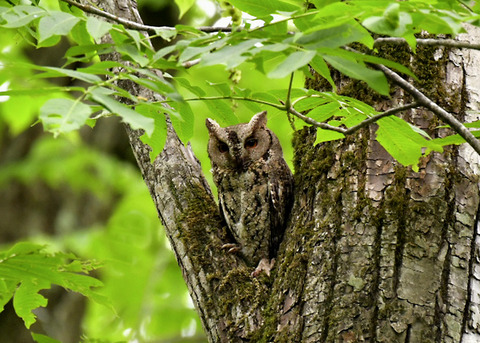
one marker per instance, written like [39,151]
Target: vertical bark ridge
[442,298]
[329,302]
[472,274]
[399,204]
[377,252]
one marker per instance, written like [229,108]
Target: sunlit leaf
[64,115]
[21,15]
[157,139]
[103,96]
[374,78]
[56,23]
[293,62]
[402,142]
[97,28]
[184,6]
[39,338]
[27,266]
[266,7]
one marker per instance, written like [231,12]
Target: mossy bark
[373,252]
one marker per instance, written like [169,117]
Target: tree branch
[137,26]
[428,42]
[424,101]
[357,127]
[387,113]
[290,109]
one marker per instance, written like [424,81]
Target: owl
[255,187]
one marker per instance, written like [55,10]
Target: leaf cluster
[26,269]
[293,36]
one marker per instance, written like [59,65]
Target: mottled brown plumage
[254,184]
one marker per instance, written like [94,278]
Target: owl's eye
[222,147]
[251,143]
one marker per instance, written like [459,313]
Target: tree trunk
[373,251]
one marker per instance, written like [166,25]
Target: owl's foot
[264,265]
[232,247]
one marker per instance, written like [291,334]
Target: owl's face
[238,146]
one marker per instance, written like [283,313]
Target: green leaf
[337,36]
[166,34]
[132,53]
[221,111]
[64,115]
[184,6]
[324,112]
[185,83]
[402,142]
[158,85]
[231,55]
[137,121]
[266,7]
[392,23]
[97,28]
[54,24]
[374,78]
[39,338]
[60,72]
[293,62]
[454,139]
[80,35]
[27,298]
[21,15]
[28,267]
[157,140]
[182,119]
[327,135]
[86,52]
[318,63]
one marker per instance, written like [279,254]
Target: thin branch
[307,119]
[189,64]
[424,101]
[387,113]
[429,42]
[313,122]
[259,101]
[137,26]
[288,103]
[357,127]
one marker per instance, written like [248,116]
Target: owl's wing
[280,185]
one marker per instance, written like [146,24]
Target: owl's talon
[264,265]
[232,247]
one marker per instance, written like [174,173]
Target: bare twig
[137,26]
[189,64]
[424,101]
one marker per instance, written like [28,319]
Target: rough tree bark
[374,252]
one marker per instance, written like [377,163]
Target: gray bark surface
[373,252]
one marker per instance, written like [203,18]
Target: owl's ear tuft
[259,120]
[212,125]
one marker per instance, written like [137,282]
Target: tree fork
[348,228]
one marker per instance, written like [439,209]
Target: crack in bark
[333,281]
[400,234]
[471,276]
[377,249]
